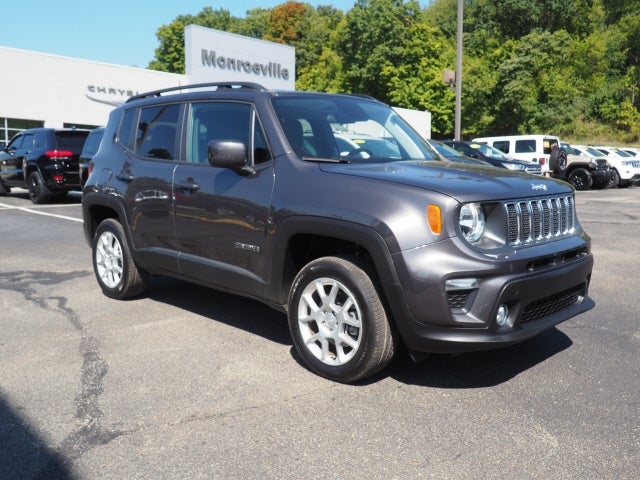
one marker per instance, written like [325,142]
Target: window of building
[9,127]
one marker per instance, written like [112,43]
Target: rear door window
[157,132]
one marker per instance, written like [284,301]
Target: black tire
[325,293]
[614,181]
[580,178]
[38,191]
[558,162]
[115,270]
[4,190]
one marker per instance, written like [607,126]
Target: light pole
[458,113]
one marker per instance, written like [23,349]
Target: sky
[114,31]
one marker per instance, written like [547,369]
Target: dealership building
[61,92]
[55,91]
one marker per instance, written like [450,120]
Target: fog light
[501,316]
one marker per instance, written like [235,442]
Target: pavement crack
[89,432]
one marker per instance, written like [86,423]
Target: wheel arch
[308,238]
[97,207]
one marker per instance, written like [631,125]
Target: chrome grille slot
[539,220]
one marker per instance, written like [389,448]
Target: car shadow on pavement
[478,369]
[233,310]
[23,454]
[468,370]
[71,198]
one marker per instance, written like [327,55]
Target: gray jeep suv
[247,190]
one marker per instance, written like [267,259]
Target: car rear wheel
[117,273]
[38,192]
[580,178]
[337,320]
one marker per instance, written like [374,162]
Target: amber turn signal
[435,219]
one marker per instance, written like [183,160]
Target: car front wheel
[337,320]
[117,273]
[580,178]
[614,180]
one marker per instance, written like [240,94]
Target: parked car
[44,161]
[214,185]
[493,156]
[633,151]
[585,172]
[453,155]
[542,149]
[626,169]
[91,145]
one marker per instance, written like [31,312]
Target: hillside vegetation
[567,67]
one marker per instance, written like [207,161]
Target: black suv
[247,190]
[44,161]
[90,148]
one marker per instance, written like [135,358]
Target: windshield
[594,153]
[348,129]
[445,150]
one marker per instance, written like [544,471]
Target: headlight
[472,221]
[513,166]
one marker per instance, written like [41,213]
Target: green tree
[170,54]
[535,93]
[373,38]
[255,23]
[321,69]
[417,82]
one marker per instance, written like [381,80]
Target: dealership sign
[216,56]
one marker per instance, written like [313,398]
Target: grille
[552,304]
[539,220]
[601,164]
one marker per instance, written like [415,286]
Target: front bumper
[539,292]
[601,176]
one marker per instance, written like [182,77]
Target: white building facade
[57,91]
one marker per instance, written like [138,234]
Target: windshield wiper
[325,160]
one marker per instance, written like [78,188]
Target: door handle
[188,185]
[125,176]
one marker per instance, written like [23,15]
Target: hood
[463,182]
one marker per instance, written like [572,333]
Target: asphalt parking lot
[190,383]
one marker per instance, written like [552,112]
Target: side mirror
[229,154]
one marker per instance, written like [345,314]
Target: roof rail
[218,85]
